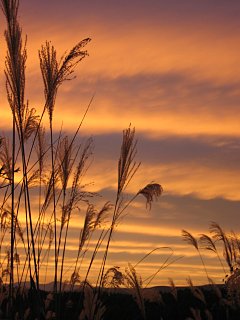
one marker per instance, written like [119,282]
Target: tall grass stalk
[127,167]
[54,74]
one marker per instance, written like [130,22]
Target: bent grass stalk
[189,238]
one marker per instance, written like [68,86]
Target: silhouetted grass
[55,171]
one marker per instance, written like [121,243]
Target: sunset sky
[172,70]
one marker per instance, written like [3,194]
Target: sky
[171,69]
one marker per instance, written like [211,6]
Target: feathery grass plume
[19,230]
[3,174]
[127,166]
[102,214]
[220,235]
[6,159]
[30,122]
[81,166]
[65,216]
[189,238]
[49,69]
[89,224]
[33,178]
[135,282]
[113,278]
[15,60]
[54,73]
[6,167]
[150,192]
[5,223]
[208,244]
[48,189]
[5,219]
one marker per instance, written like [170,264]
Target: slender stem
[12,216]
[204,266]
[63,254]
[54,208]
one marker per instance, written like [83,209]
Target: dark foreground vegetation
[206,302]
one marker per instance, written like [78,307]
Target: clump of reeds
[54,172]
[209,243]
[229,244]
